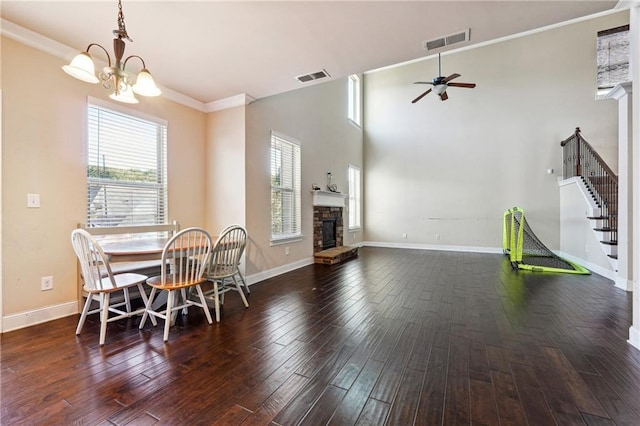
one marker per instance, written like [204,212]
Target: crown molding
[62,51]
[621,5]
[230,102]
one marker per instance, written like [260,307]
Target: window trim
[161,158]
[275,240]
[354,105]
[353,227]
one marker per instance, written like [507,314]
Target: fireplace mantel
[328,199]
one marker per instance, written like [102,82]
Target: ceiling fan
[440,85]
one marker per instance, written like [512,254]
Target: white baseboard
[29,318]
[624,284]
[607,273]
[470,249]
[264,275]
[634,337]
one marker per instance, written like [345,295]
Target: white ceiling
[211,50]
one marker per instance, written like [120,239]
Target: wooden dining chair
[239,273]
[185,259]
[223,267]
[100,282]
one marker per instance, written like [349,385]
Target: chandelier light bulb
[82,68]
[145,86]
[124,95]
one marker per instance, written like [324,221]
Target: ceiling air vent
[447,40]
[313,76]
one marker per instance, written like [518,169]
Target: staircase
[582,161]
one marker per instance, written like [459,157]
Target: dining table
[134,249]
[144,250]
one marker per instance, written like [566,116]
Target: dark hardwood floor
[394,337]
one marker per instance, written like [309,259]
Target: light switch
[33,201]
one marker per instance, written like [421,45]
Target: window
[285,189]
[126,169]
[354,198]
[355,99]
[612,58]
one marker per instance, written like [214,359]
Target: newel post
[578,144]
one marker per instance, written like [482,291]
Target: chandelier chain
[121,32]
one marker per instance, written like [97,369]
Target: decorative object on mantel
[331,186]
[315,187]
[114,77]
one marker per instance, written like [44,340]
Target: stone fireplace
[328,229]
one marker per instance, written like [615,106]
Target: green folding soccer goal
[526,251]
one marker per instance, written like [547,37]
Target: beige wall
[316,117]
[225,157]
[43,144]
[452,168]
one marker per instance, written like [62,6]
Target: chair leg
[145,300]
[244,299]
[185,310]
[127,299]
[216,301]
[104,316]
[167,320]
[244,283]
[85,310]
[147,308]
[203,301]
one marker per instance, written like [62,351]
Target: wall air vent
[447,40]
[313,76]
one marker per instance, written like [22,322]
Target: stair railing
[581,160]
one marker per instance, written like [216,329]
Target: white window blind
[355,100]
[285,188]
[354,198]
[126,169]
[613,58]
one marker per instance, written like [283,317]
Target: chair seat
[169,284]
[120,282]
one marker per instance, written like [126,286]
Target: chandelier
[114,77]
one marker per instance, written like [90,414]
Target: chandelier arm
[105,51]
[124,64]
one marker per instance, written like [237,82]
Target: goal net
[526,251]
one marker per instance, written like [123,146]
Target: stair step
[610,243]
[601,217]
[613,256]
[605,229]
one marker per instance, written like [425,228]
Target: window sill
[281,241]
[355,229]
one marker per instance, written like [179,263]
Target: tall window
[354,198]
[613,58]
[285,189]
[355,100]
[126,169]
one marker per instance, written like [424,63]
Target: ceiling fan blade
[444,96]
[422,82]
[467,85]
[451,77]
[421,96]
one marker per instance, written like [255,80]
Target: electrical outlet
[33,201]
[404,236]
[286,251]
[437,236]
[46,283]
